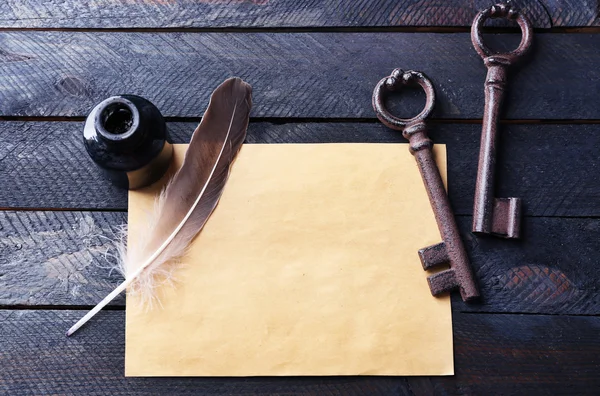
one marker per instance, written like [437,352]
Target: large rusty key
[497,216]
[451,250]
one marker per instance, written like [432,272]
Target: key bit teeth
[434,255]
[506,219]
[442,282]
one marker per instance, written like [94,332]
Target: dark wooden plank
[551,269]
[278,14]
[520,355]
[573,12]
[44,165]
[37,359]
[309,75]
[494,354]
[64,258]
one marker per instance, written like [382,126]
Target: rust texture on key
[451,250]
[496,216]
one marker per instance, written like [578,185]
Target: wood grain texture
[520,355]
[44,164]
[494,354]
[278,14]
[64,258]
[58,258]
[308,75]
[551,269]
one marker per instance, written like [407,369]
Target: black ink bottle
[127,137]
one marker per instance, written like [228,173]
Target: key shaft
[491,215]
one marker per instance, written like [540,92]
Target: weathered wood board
[44,164]
[279,14]
[508,354]
[294,75]
[66,259]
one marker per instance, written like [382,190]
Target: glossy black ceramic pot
[127,137]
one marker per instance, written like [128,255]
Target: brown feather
[190,197]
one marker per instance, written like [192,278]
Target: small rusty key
[496,216]
[451,250]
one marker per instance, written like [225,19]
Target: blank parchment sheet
[308,266]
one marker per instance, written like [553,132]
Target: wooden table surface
[313,66]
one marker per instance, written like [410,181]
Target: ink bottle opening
[127,137]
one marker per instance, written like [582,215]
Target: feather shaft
[99,306]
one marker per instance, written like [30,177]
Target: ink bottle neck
[117,123]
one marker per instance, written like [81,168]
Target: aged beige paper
[308,266]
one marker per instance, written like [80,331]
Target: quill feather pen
[190,197]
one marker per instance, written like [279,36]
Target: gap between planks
[333,29]
[119,210]
[21,307]
[320,120]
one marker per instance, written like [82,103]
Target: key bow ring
[398,79]
[501,11]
